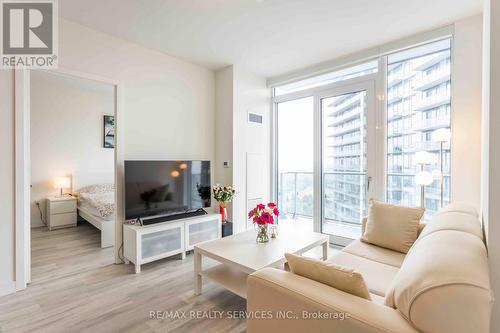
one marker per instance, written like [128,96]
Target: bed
[96,205]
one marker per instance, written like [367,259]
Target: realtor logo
[29,34]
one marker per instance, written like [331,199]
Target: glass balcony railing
[343,201]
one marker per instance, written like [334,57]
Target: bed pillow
[336,276]
[392,227]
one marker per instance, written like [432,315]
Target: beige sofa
[440,286]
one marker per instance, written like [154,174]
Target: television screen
[166,187]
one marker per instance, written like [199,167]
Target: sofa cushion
[460,207]
[377,276]
[445,273]
[421,226]
[393,227]
[337,276]
[375,253]
[454,220]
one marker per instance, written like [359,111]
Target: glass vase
[223,212]
[262,234]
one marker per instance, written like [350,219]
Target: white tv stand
[143,244]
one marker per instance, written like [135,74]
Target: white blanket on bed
[103,202]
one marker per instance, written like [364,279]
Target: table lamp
[62,183]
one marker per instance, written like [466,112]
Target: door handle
[369,180]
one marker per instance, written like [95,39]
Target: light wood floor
[77,288]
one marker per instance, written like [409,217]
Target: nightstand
[61,212]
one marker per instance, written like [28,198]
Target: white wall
[67,134]
[224,128]
[168,107]
[237,93]
[491,151]
[169,103]
[466,116]
[250,95]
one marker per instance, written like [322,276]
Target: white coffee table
[240,255]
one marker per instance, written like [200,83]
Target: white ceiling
[269,37]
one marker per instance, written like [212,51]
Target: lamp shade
[62,182]
[441,135]
[423,178]
[423,157]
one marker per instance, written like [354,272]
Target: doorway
[326,165]
[347,158]
[78,178]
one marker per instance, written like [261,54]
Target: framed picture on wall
[109,132]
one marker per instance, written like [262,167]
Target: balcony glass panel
[295,161]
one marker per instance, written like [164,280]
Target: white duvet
[103,203]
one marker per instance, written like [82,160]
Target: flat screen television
[156,188]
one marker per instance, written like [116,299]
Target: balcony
[396,96]
[296,191]
[424,82]
[339,130]
[344,141]
[394,79]
[430,102]
[345,102]
[438,57]
[432,124]
[353,114]
[345,153]
[427,146]
[399,114]
[342,204]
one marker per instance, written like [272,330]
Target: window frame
[380,176]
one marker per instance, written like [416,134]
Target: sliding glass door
[345,166]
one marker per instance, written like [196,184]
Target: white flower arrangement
[224,194]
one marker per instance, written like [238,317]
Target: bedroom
[72,167]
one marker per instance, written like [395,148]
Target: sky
[295,135]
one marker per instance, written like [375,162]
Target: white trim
[362,56]
[317,165]
[273,151]
[452,115]
[318,90]
[368,85]
[119,170]
[23,168]
[22,179]
[380,178]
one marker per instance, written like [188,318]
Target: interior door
[347,163]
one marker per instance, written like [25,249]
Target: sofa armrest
[284,302]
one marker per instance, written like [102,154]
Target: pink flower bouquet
[264,214]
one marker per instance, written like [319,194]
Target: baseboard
[37,225]
[7,288]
